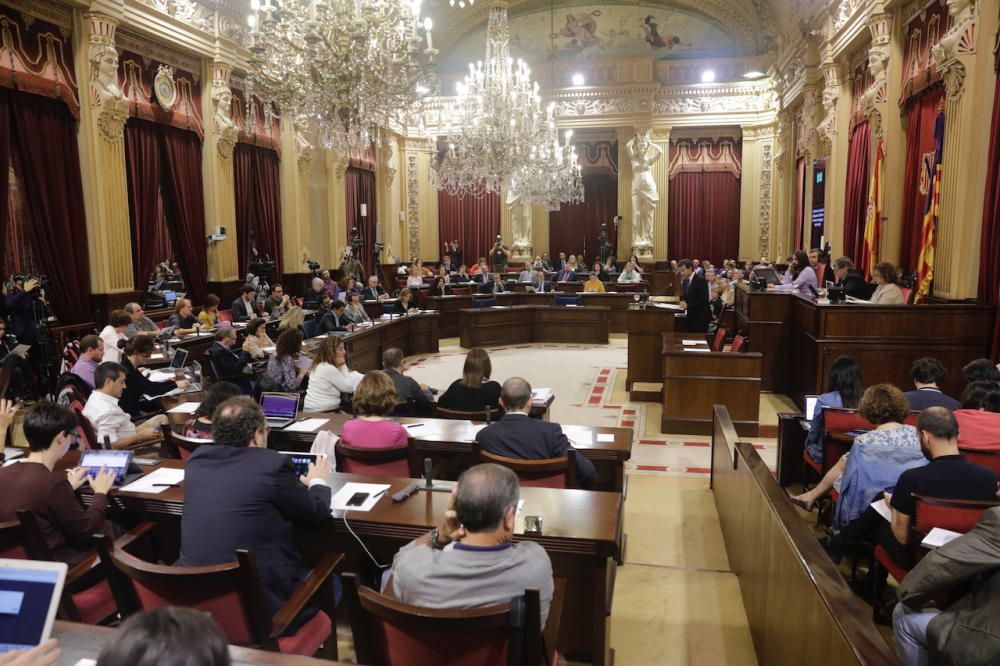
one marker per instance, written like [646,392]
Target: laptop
[120,461]
[176,363]
[767,274]
[29,597]
[811,401]
[279,408]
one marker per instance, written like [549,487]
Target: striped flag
[925,264]
[873,217]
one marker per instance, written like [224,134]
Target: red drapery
[704,214]
[257,187]
[856,196]
[38,135]
[573,229]
[184,205]
[921,114]
[800,202]
[359,185]
[142,168]
[473,222]
[989,257]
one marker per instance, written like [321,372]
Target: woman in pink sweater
[374,397]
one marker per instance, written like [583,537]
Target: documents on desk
[184,408]
[156,481]
[579,436]
[375,492]
[540,395]
[938,537]
[667,306]
[161,375]
[697,349]
[883,509]
[605,437]
[306,425]
[693,343]
[421,429]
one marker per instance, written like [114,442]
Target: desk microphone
[428,481]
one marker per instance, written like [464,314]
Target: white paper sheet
[147,484]
[541,395]
[579,436]
[421,429]
[161,375]
[883,509]
[605,437]
[155,357]
[938,537]
[697,349]
[375,492]
[307,425]
[268,350]
[666,306]
[693,343]
[184,408]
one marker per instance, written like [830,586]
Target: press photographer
[500,255]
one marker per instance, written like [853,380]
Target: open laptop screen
[279,405]
[180,359]
[29,596]
[93,461]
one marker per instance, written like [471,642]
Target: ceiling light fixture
[708,76]
[578,79]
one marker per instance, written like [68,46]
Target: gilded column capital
[304,151]
[106,97]
[339,162]
[960,40]
[222,110]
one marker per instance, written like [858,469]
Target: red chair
[226,316]
[390,633]
[391,461]
[85,429]
[719,340]
[177,446]
[461,291]
[986,457]
[162,324]
[232,594]
[547,473]
[907,294]
[838,423]
[739,344]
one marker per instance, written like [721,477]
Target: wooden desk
[85,641]
[582,534]
[797,603]
[695,381]
[791,446]
[521,324]
[763,317]
[645,347]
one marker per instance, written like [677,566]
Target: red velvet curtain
[704,214]
[142,170]
[800,202]
[184,205]
[359,185]
[5,209]
[921,114]
[856,196]
[257,187]
[572,229]
[43,146]
[473,222]
[989,257]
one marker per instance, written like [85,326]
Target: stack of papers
[161,375]
[375,492]
[938,537]
[541,395]
[666,306]
[697,349]
[184,408]
[307,425]
[579,436]
[156,481]
[693,343]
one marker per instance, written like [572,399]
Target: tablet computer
[301,461]
[29,597]
[119,461]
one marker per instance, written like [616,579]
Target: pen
[166,485]
[413,425]
[380,493]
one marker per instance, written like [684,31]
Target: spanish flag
[873,218]
[925,264]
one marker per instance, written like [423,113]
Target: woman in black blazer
[137,352]
[474,392]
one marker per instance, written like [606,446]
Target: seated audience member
[349,286]
[257,339]
[329,377]
[887,291]
[593,285]
[314,295]
[979,417]
[403,305]
[407,388]
[336,319]
[330,286]
[538,284]
[494,285]
[850,279]
[284,368]
[439,286]
[474,392]
[414,280]
[610,267]
[715,306]
[228,363]
[799,276]
[928,374]
[140,323]
[462,276]
[245,307]
[546,262]
[374,291]
[636,264]
[525,275]
[355,311]
[843,389]
[209,315]
[947,475]
[295,318]
[91,355]
[447,265]
[33,485]
[980,370]
[160,282]
[875,460]
[421,269]
[725,291]
[481,271]
[471,560]
[566,273]
[602,275]
[137,385]
[815,258]
[182,320]
[538,263]
[278,303]
[200,423]
[560,263]
[443,275]
[239,476]
[168,636]
[517,435]
[114,335]
[110,421]
[966,631]
[374,399]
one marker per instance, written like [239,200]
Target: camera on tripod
[313,265]
[42,280]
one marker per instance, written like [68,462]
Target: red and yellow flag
[873,218]
[928,233]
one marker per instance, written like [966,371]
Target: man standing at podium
[695,297]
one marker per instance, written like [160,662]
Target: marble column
[217,171]
[297,154]
[756,182]
[390,200]
[833,145]
[421,203]
[336,202]
[784,188]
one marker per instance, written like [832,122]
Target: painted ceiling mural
[602,31]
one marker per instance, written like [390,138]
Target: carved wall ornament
[187,11]
[340,163]
[764,212]
[590,107]
[105,93]
[164,87]
[643,154]
[389,160]
[222,104]
[412,205]
[961,36]
[519,209]
[304,152]
[845,11]
[953,73]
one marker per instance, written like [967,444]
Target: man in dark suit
[238,494]
[407,388]
[853,282]
[517,435]
[538,283]
[245,307]
[335,320]
[374,291]
[968,631]
[229,364]
[695,297]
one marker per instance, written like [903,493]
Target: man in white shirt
[112,423]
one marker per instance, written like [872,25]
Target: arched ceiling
[662,29]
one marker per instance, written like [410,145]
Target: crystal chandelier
[341,68]
[497,134]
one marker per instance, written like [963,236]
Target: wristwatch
[435,542]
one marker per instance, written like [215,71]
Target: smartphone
[357,499]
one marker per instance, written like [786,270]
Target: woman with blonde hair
[474,392]
[292,320]
[374,398]
[330,377]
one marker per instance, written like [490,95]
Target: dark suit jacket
[854,285]
[968,632]
[230,364]
[313,299]
[520,436]
[372,295]
[407,389]
[570,276]
[138,385]
[240,497]
[331,322]
[699,314]
[239,309]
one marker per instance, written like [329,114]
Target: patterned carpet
[589,385]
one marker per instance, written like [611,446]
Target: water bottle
[196,372]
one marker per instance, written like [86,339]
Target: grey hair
[224,332]
[843,262]
[516,393]
[485,492]
[131,308]
[317,282]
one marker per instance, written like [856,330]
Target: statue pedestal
[521,253]
[643,251]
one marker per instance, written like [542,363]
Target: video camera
[43,280]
